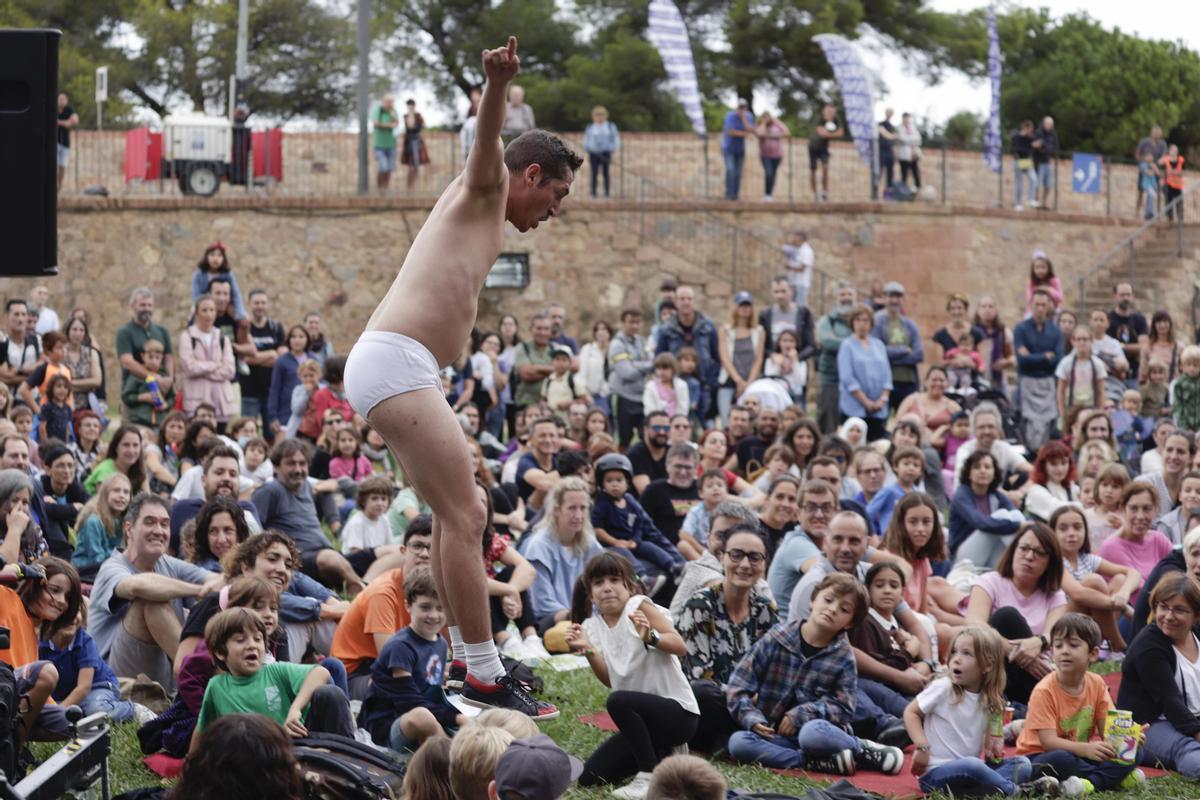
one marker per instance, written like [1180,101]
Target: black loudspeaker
[29,152]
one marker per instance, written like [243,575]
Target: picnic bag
[337,768]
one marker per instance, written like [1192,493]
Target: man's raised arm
[486,160]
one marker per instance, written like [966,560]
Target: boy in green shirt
[297,696]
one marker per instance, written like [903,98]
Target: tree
[963,129]
[167,53]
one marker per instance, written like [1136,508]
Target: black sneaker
[840,763]
[894,735]
[878,758]
[506,692]
[457,676]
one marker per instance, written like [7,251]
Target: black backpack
[10,703]
[337,768]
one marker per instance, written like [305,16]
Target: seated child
[405,704]
[368,528]
[145,402]
[688,361]
[964,377]
[948,722]
[793,694]
[256,464]
[1130,428]
[297,696]
[84,678]
[880,636]
[778,460]
[948,440]
[714,490]
[908,463]
[624,527]
[1064,728]
[1155,394]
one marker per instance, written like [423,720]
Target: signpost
[1085,173]
[101,95]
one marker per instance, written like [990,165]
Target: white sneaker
[962,575]
[636,789]
[534,649]
[513,648]
[1034,204]
[1075,786]
[143,714]
[1018,207]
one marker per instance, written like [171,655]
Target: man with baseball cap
[903,341]
[534,769]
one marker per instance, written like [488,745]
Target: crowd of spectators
[669,506]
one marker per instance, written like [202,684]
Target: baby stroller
[982,392]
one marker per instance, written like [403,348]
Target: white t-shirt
[954,729]
[800,262]
[634,667]
[481,368]
[361,533]
[190,485]
[1086,375]
[1151,462]
[1187,677]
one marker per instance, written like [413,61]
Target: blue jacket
[1048,340]
[631,522]
[671,339]
[965,518]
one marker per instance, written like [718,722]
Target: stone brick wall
[340,255]
[650,166]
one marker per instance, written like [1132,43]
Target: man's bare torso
[435,296]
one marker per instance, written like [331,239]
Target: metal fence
[677,167]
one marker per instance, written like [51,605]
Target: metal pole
[1055,179]
[1107,186]
[1000,184]
[642,210]
[943,173]
[243,36]
[706,167]
[267,160]
[1132,261]
[734,259]
[364,79]
[621,174]
[1179,226]
[791,159]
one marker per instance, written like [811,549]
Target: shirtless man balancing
[392,372]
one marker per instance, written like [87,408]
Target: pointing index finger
[512,45]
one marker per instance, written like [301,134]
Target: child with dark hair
[793,694]
[56,411]
[1064,728]
[236,641]
[632,647]
[242,757]
[84,678]
[406,703]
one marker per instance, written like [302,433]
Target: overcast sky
[1179,19]
[907,92]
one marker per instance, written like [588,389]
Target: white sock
[483,661]
[457,648]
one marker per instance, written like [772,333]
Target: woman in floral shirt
[719,624]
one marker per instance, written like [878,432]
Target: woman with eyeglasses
[1022,599]
[719,624]
[1160,678]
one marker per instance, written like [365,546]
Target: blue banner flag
[668,34]
[855,84]
[991,132]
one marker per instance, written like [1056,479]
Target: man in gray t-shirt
[136,611]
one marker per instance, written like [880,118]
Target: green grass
[579,693]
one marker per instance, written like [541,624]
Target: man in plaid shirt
[792,695]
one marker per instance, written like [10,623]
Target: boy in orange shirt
[1064,727]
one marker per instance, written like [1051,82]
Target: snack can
[1008,715]
[1121,732]
[996,725]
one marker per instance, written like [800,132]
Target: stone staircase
[1161,277]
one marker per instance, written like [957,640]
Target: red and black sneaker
[457,676]
[506,692]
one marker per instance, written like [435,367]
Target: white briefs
[384,364]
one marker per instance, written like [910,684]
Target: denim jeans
[770,168]
[975,776]
[1028,175]
[255,408]
[108,700]
[1104,775]
[337,673]
[875,701]
[733,174]
[817,738]
[1169,746]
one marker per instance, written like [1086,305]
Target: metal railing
[1173,213]
[683,165]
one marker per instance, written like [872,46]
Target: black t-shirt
[885,145]
[774,535]
[816,142]
[269,337]
[504,501]
[667,505]
[646,464]
[1126,330]
[947,342]
[750,448]
[808,650]
[64,134]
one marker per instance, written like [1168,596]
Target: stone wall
[650,165]
[340,255]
